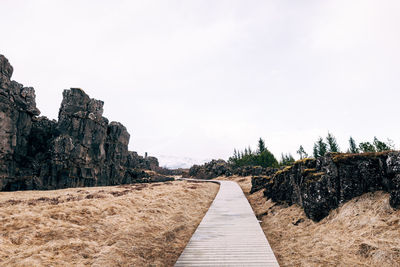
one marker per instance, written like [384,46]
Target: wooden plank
[229,234]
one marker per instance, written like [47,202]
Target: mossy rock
[314,177]
[306,172]
[342,157]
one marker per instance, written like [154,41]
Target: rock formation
[210,169]
[254,170]
[81,149]
[220,167]
[320,185]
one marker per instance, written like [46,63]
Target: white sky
[199,78]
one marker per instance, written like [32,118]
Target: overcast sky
[199,78]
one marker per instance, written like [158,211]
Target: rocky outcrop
[210,170]
[220,167]
[17,108]
[258,183]
[320,185]
[81,149]
[254,170]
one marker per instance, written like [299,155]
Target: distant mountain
[176,162]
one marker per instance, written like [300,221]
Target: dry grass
[130,225]
[363,232]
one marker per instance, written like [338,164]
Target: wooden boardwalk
[229,234]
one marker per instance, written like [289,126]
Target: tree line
[322,147]
[264,158]
[259,157]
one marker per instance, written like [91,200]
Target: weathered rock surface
[81,149]
[17,108]
[320,185]
[254,170]
[220,167]
[210,170]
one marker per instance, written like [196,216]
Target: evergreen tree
[250,158]
[302,153]
[367,147]
[267,159]
[261,146]
[286,159]
[283,160]
[353,146]
[315,150]
[320,148]
[234,159]
[333,146]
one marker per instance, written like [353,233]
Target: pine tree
[247,157]
[315,150]
[367,147]
[286,159]
[261,146]
[320,148]
[333,146]
[267,159]
[353,146]
[283,159]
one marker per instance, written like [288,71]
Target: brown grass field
[129,225]
[363,232]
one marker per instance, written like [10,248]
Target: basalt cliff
[82,148]
[323,184]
